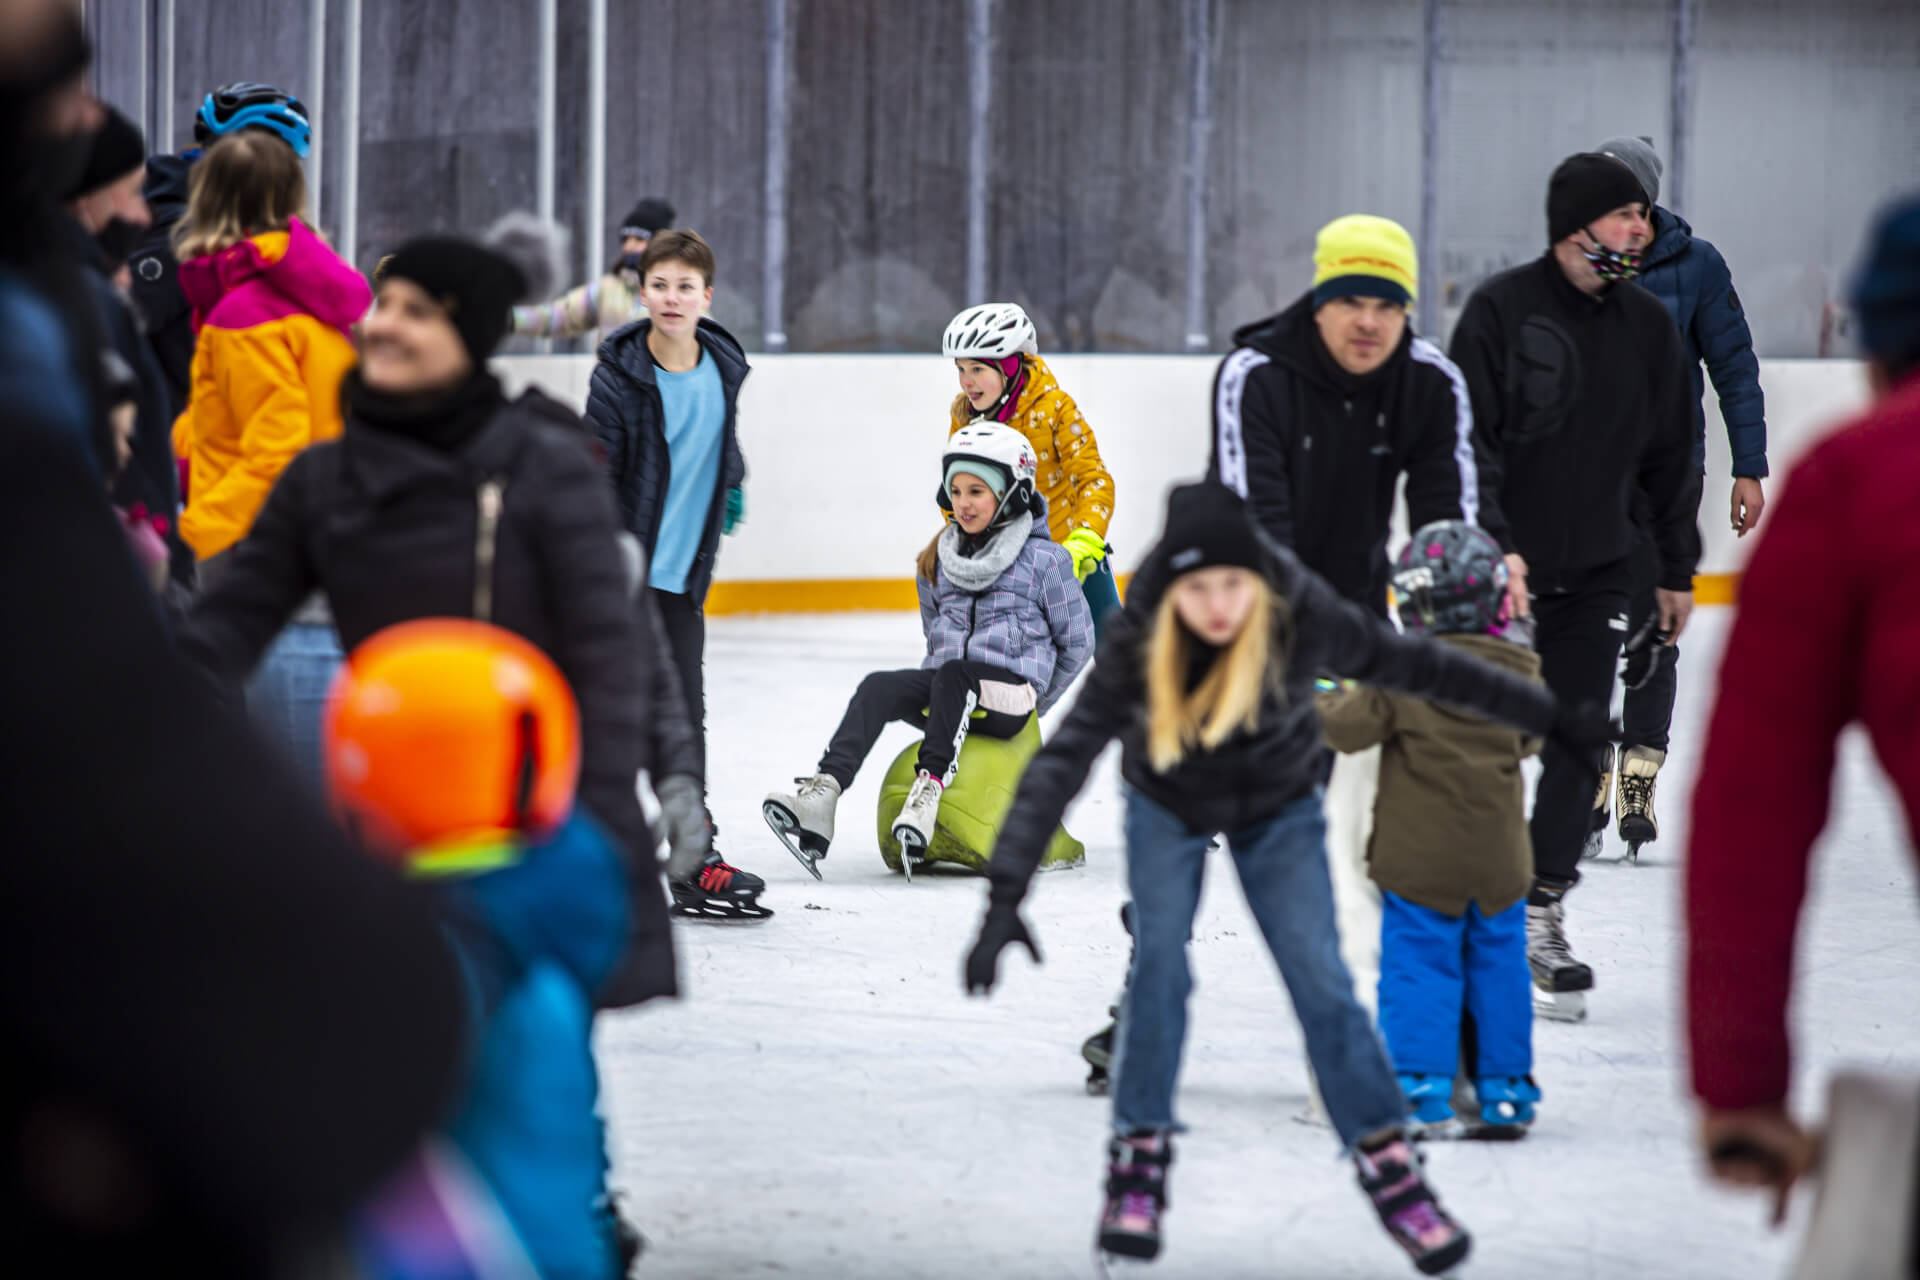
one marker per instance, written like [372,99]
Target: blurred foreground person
[1792,679]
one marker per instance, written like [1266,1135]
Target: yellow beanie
[1361,256]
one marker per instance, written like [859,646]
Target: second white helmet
[990,331]
[1002,448]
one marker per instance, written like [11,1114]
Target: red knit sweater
[1828,632]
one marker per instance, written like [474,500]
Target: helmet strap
[1016,381]
[526,766]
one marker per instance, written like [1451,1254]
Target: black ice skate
[1390,1174]
[1597,830]
[803,818]
[1097,1049]
[1136,1197]
[720,892]
[1560,982]
[1639,771]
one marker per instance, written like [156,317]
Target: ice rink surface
[827,1103]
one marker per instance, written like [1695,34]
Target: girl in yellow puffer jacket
[1003,379]
[272,305]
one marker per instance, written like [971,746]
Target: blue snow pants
[1432,966]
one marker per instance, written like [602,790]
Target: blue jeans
[288,694]
[1432,966]
[1282,864]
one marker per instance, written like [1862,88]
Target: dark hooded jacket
[389,528]
[1690,277]
[626,413]
[156,278]
[1255,773]
[1579,400]
[1317,451]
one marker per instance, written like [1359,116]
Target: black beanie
[1886,291]
[478,281]
[650,215]
[1207,528]
[477,286]
[1584,187]
[118,149]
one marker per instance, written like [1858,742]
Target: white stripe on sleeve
[1427,353]
[1232,444]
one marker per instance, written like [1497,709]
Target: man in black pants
[1580,395]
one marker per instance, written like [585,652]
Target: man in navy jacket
[1693,281]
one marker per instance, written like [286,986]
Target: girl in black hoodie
[1207,680]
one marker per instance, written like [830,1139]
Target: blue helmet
[247,105]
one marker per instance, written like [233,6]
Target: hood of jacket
[166,187]
[1292,338]
[1672,236]
[293,271]
[626,350]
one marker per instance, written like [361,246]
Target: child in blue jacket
[1007,627]
[531,893]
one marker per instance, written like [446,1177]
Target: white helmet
[1009,454]
[990,331]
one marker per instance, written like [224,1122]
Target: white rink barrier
[843,456]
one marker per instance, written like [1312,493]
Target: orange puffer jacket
[1072,478]
[271,314]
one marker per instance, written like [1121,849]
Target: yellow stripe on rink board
[849,595]
[1716,588]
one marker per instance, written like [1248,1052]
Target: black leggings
[943,702]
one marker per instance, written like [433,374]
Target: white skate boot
[803,818]
[914,827]
[1560,982]
[1597,832]
[1639,772]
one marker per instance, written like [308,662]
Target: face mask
[118,239]
[1609,264]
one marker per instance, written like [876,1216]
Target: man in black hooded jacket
[1581,394]
[1319,410]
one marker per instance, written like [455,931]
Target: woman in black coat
[444,499]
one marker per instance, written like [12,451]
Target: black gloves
[1000,930]
[1584,728]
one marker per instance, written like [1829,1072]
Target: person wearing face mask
[106,219]
[612,300]
[1580,397]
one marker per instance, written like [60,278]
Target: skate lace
[1636,793]
[925,788]
[813,787]
[716,876]
[1421,1221]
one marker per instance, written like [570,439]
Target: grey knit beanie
[1638,155]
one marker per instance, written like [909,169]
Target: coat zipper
[491,499]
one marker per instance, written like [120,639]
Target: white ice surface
[825,1102]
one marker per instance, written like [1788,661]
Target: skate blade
[1595,847]
[1449,1130]
[718,911]
[1098,1086]
[1560,1006]
[787,827]
[912,852]
[1133,1256]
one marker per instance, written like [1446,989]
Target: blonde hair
[1228,698]
[928,561]
[247,183]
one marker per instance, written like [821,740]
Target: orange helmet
[445,730]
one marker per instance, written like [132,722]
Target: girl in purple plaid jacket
[1007,630]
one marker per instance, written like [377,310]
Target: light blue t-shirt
[695,405]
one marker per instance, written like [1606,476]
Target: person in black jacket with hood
[1318,411]
[444,499]
[663,401]
[106,216]
[1581,395]
[1207,680]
